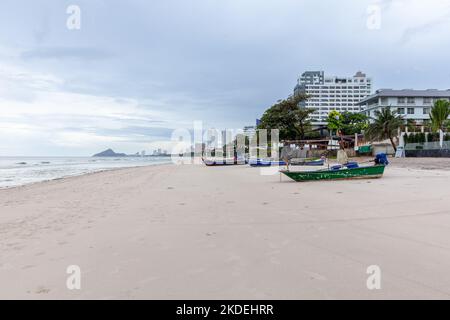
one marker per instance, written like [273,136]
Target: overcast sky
[138,69]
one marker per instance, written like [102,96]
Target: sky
[136,70]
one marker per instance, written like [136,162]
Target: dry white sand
[193,232]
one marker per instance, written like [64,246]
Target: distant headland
[111,153]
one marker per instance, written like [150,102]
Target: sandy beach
[195,232]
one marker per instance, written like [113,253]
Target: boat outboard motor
[381,158]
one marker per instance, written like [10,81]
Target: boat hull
[309,163]
[221,163]
[265,163]
[370,172]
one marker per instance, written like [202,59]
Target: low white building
[411,104]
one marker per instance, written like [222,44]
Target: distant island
[111,153]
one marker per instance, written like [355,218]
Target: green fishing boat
[367,172]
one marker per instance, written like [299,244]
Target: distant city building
[198,148]
[332,93]
[411,104]
[159,152]
[226,137]
[249,131]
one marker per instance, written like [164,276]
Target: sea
[17,171]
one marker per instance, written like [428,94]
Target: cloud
[67,119]
[416,18]
[411,34]
[137,69]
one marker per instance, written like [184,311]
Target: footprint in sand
[316,276]
[28,266]
[42,289]
[273,252]
[197,271]
[274,260]
[150,280]
[233,258]
[11,244]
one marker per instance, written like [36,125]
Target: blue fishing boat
[223,162]
[265,163]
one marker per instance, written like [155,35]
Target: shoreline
[79,175]
[391,159]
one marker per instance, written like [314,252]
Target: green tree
[411,125]
[385,126]
[354,122]
[348,122]
[334,121]
[439,115]
[288,117]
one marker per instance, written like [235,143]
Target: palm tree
[385,125]
[439,114]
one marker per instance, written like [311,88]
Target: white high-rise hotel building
[332,93]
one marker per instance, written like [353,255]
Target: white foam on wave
[16,171]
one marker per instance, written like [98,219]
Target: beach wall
[382,148]
[434,153]
[317,153]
